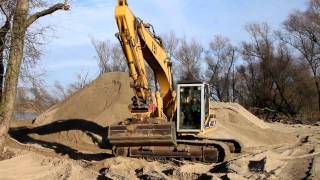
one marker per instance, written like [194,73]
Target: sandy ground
[291,160]
[69,142]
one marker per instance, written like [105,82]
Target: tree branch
[45,12]
[3,11]
[1,8]
[3,32]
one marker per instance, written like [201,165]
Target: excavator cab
[193,106]
[192,112]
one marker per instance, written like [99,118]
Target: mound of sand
[104,101]
[80,122]
[235,122]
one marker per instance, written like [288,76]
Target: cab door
[191,107]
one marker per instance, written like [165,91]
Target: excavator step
[142,135]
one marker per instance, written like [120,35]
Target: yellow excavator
[176,124]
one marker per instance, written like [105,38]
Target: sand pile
[234,121]
[80,122]
[104,101]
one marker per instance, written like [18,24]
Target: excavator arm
[140,44]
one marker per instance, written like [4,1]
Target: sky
[69,50]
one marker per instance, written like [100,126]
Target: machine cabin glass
[207,100]
[190,107]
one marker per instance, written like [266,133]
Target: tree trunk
[21,22]
[316,79]
[13,68]
[3,34]
[1,69]
[318,92]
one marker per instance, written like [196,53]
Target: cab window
[190,108]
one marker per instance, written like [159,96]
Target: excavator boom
[140,44]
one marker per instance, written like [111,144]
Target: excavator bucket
[142,134]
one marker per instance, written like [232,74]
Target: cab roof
[191,82]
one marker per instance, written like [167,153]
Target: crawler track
[160,141]
[207,151]
[235,146]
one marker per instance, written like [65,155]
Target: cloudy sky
[69,51]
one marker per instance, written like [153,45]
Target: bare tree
[35,99]
[303,34]
[188,57]
[171,44]
[21,22]
[271,75]
[7,10]
[220,62]
[81,81]
[119,61]
[34,39]
[110,56]
[62,92]
[258,53]
[103,55]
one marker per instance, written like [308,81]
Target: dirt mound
[235,122]
[79,124]
[104,101]
[240,112]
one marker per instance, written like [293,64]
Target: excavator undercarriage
[160,142]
